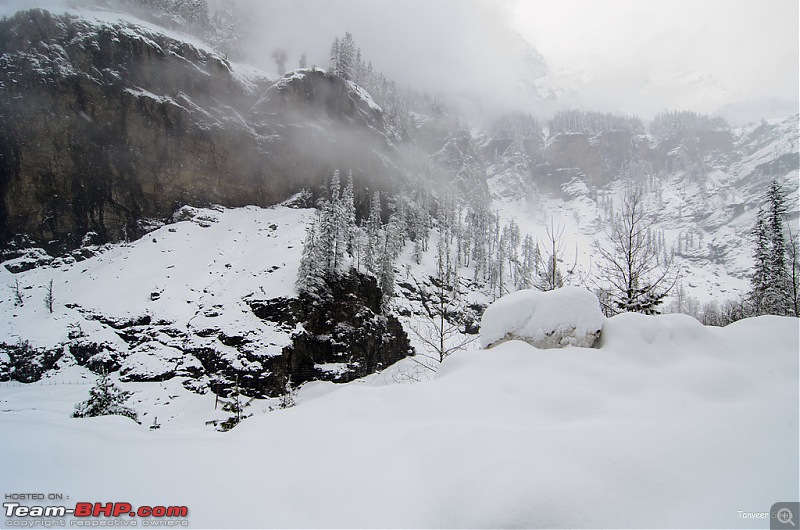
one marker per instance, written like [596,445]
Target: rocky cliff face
[104,125]
[340,338]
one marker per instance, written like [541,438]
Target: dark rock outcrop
[104,125]
[341,338]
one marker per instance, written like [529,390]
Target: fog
[631,56]
[615,55]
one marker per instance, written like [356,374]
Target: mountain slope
[107,122]
[209,298]
[702,184]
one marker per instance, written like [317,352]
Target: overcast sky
[630,52]
[750,47]
[636,56]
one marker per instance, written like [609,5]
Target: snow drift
[569,316]
[668,424]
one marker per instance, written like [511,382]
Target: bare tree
[440,331]
[550,275]
[631,273]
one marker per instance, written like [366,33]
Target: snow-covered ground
[188,278]
[668,424]
[179,272]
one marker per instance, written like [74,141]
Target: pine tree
[329,239]
[392,244]
[311,273]
[771,283]
[48,297]
[373,232]
[289,397]
[347,57]
[760,281]
[335,54]
[479,218]
[105,399]
[530,256]
[332,233]
[234,403]
[347,212]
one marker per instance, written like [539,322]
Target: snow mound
[569,316]
[669,425]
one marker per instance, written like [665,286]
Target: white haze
[632,56]
[616,55]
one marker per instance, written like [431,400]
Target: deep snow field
[668,424]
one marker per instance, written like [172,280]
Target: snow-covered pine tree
[392,244]
[235,403]
[347,211]
[329,239]
[311,273]
[760,282]
[334,55]
[421,217]
[105,399]
[479,217]
[498,271]
[373,229]
[289,397]
[331,231]
[511,237]
[771,281]
[345,59]
[359,69]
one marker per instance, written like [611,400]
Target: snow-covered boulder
[569,316]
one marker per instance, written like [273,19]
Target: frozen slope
[668,424]
[188,279]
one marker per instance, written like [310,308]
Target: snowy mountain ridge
[704,190]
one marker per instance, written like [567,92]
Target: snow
[566,316]
[669,424]
[365,96]
[192,274]
[250,77]
[140,92]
